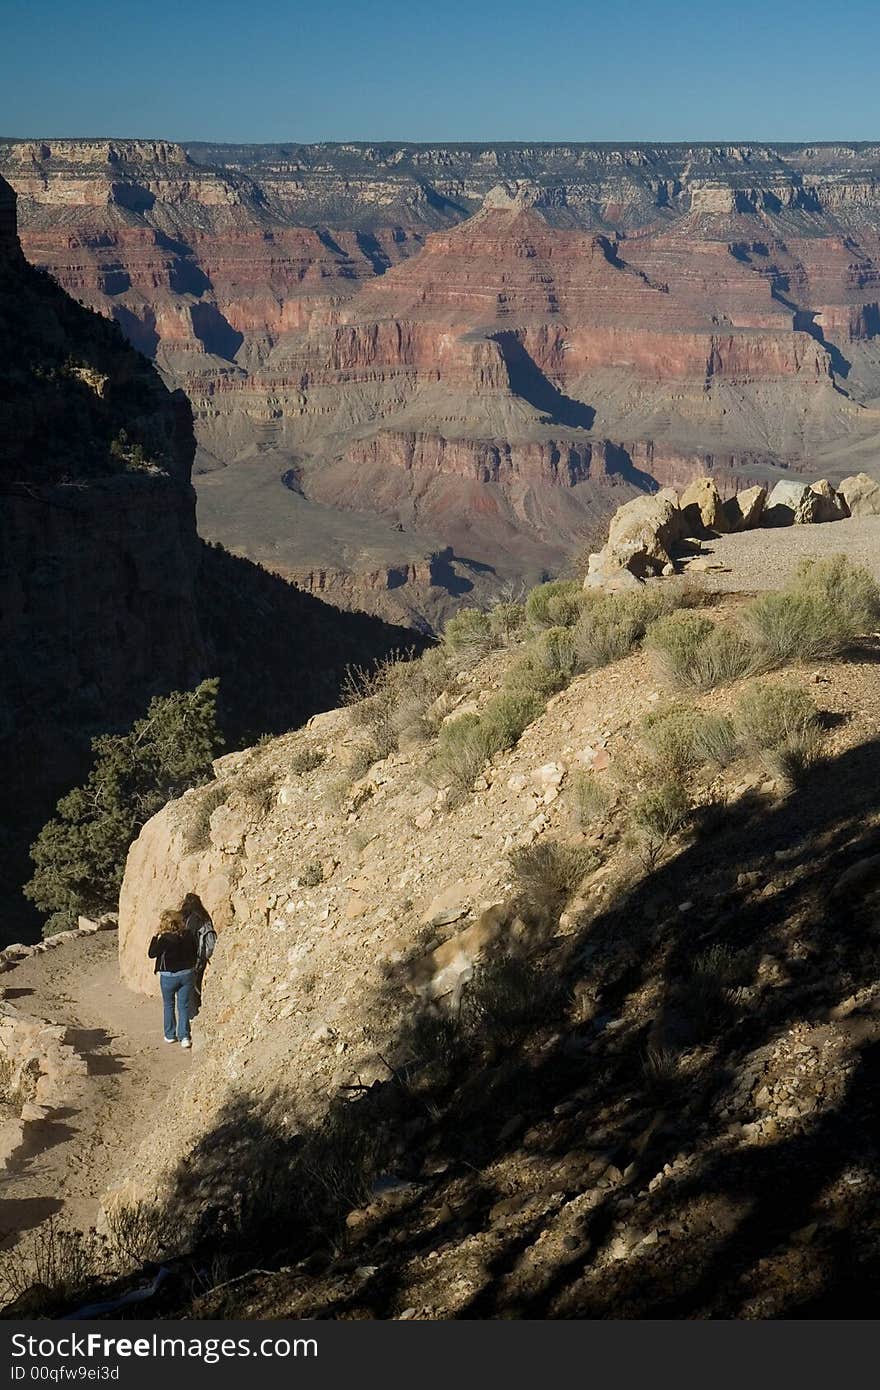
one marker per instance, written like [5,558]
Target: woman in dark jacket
[174,950]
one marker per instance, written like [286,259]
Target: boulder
[829,505]
[702,508]
[640,538]
[861,495]
[800,504]
[745,510]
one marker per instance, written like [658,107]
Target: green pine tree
[79,856]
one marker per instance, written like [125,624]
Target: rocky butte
[418,370]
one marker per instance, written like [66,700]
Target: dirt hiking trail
[70,1158]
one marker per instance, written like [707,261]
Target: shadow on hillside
[281,654]
[553,1132]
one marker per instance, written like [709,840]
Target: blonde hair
[169,921]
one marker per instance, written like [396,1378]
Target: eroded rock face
[798,504]
[703,508]
[861,495]
[745,509]
[641,538]
[475,301]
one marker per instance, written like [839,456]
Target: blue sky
[480,70]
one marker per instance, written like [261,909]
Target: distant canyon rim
[421,372]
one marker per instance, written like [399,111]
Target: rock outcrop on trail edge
[662,533]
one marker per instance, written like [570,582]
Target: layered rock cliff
[319,303]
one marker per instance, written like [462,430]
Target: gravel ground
[764,559]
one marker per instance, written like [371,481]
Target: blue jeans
[177,986]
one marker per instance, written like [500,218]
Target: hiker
[198,922]
[174,950]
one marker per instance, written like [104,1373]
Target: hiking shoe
[172,1040]
[185,1042]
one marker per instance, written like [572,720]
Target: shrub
[548,873]
[669,736]
[79,856]
[504,997]
[715,740]
[767,716]
[789,627]
[199,824]
[658,815]
[789,761]
[469,634]
[507,620]
[823,607]
[556,604]
[463,746]
[712,985]
[420,684]
[590,797]
[673,643]
[850,589]
[508,715]
[432,1041]
[725,656]
[555,649]
[61,1261]
[306,760]
[372,697]
[534,672]
[361,759]
[608,629]
[312,874]
[612,625]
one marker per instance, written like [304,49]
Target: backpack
[206,939]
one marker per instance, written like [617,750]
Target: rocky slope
[447,339]
[642,1146]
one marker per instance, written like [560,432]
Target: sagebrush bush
[669,737]
[556,650]
[715,740]
[548,873]
[589,797]
[504,996]
[469,635]
[463,747]
[658,815]
[508,715]
[852,589]
[610,626]
[555,604]
[788,762]
[817,615]
[786,627]
[534,672]
[607,630]
[304,760]
[725,656]
[768,715]
[673,643]
[199,824]
[507,620]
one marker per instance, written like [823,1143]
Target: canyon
[107,594]
[420,373]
